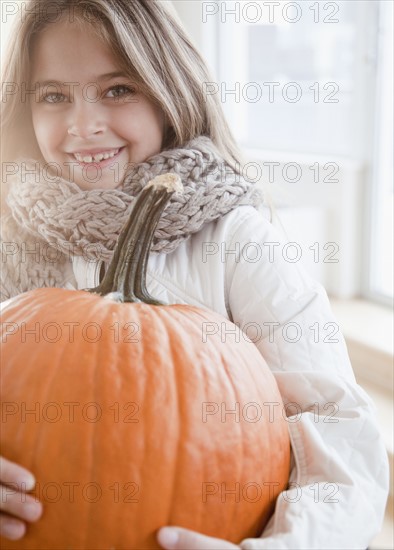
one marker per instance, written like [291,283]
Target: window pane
[381,277]
[302,84]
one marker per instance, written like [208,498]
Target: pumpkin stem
[125,278]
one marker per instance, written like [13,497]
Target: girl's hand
[177,538]
[15,505]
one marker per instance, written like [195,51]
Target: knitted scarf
[51,219]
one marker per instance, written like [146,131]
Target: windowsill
[368,331]
[366,322]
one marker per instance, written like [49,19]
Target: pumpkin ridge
[186,421]
[82,536]
[31,463]
[241,460]
[110,371]
[49,388]
[91,437]
[139,518]
[184,321]
[95,427]
[167,323]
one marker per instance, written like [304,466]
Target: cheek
[47,132]
[141,124]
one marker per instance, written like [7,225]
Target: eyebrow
[103,77]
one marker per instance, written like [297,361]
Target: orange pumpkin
[129,418]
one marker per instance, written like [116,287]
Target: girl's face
[91,124]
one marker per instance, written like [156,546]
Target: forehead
[67,52]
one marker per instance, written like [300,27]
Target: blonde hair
[151,46]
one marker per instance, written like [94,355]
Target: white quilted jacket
[339,475]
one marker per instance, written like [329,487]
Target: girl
[100,96]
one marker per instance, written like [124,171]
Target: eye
[120,90]
[52,98]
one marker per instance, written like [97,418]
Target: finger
[11,528]
[177,538]
[13,473]
[19,504]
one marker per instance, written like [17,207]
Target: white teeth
[95,158]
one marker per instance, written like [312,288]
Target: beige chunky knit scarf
[50,220]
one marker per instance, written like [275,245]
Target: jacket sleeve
[339,468]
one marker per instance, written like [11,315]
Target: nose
[86,120]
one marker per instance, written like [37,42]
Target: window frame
[373,192]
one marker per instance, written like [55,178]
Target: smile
[97,157]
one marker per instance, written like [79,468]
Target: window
[312,82]
[300,69]
[380,280]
